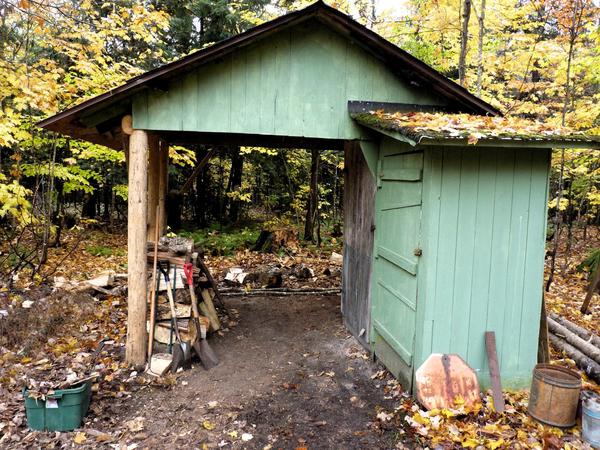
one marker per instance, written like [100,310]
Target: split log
[208,309]
[585,347]
[579,331]
[590,367]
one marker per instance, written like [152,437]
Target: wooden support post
[153,181]
[163,185]
[137,213]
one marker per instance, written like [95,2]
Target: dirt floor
[290,377]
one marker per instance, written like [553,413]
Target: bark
[594,285]
[313,199]
[137,216]
[587,365]
[481,20]
[464,39]
[543,345]
[557,221]
[579,331]
[235,182]
[585,347]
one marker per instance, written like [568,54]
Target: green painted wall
[482,235]
[296,83]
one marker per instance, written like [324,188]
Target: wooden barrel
[554,395]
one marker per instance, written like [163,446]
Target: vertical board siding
[485,216]
[296,83]
[359,210]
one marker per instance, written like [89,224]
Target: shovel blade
[177,358]
[207,356]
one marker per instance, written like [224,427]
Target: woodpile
[173,254]
[577,343]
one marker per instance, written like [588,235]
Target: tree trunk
[587,365]
[594,285]
[543,355]
[313,198]
[235,182]
[153,182]
[137,216]
[557,221]
[481,20]
[464,39]
[588,349]
[587,335]
[163,185]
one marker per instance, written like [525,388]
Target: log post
[163,185]
[137,213]
[153,181]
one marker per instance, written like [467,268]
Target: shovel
[205,352]
[182,355]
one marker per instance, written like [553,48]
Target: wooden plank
[462,299]
[534,268]
[402,351]
[517,251]
[359,210]
[482,268]
[446,251]
[490,346]
[397,259]
[402,175]
[397,294]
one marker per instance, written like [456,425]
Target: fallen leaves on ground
[570,286]
[479,427]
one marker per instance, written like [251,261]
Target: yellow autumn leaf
[420,419]
[79,438]
[470,443]
[208,425]
[494,444]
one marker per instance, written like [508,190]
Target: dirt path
[290,377]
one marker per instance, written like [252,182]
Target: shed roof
[73,121]
[432,128]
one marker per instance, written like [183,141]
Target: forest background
[536,59]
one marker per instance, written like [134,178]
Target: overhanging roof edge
[439,82]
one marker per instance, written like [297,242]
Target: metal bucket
[554,395]
[590,420]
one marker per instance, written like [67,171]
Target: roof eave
[366,37]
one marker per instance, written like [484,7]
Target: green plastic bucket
[61,411]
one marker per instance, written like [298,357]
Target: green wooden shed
[444,228]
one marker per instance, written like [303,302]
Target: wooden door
[359,210]
[397,236]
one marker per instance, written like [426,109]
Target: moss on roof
[427,126]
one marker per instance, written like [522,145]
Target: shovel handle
[171,303]
[188,270]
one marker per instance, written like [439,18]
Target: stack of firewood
[577,343]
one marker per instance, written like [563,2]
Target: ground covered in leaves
[290,375]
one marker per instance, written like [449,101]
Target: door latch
[417,252]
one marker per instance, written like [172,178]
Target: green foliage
[225,242]
[74,177]
[591,262]
[13,201]
[99,250]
